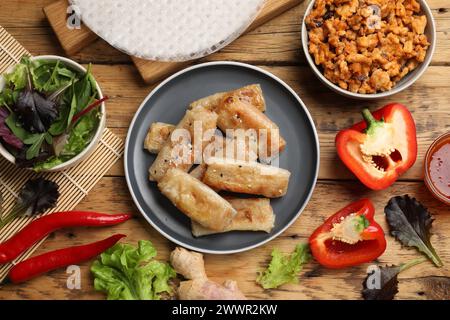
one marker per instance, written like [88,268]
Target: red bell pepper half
[381,148]
[348,238]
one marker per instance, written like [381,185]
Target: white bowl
[95,140]
[409,79]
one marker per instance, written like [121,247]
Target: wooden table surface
[275,47]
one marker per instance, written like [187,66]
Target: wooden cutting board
[73,40]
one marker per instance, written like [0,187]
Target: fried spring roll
[246,148]
[236,114]
[195,199]
[178,151]
[252,94]
[157,135]
[254,214]
[221,147]
[199,171]
[246,177]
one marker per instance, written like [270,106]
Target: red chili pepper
[381,148]
[53,260]
[39,228]
[331,252]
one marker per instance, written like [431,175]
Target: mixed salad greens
[46,113]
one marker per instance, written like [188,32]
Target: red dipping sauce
[437,168]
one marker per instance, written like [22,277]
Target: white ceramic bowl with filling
[98,134]
[405,82]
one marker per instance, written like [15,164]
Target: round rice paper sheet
[168,30]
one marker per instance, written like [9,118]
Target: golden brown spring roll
[253,214]
[246,177]
[239,147]
[157,135]
[199,171]
[252,94]
[216,148]
[236,114]
[195,199]
[221,147]
[178,152]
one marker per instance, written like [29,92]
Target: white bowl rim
[370,96]
[203,65]
[92,145]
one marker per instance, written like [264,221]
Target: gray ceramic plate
[167,103]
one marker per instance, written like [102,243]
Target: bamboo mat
[74,184]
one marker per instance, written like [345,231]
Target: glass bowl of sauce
[437,168]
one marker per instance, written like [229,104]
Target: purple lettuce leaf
[5,133]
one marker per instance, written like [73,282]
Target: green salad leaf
[61,123]
[19,132]
[82,134]
[36,143]
[284,268]
[73,107]
[85,91]
[49,163]
[125,272]
[18,78]
[49,76]
[8,97]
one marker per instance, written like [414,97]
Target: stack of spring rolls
[196,163]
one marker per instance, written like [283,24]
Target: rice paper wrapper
[168,30]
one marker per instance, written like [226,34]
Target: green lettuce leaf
[125,272]
[85,91]
[284,268]
[8,97]
[36,143]
[49,163]
[18,77]
[78,139]
[81,134]
[18,131]
[49,76]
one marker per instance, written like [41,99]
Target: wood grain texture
[276,42]
[330,111]
[72,40]
[275,46]
[315,282]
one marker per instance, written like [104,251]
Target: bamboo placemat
[74,184]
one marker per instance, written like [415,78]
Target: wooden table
[275,47]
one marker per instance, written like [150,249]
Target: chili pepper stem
[412,263]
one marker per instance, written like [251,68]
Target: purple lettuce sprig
[5,133]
